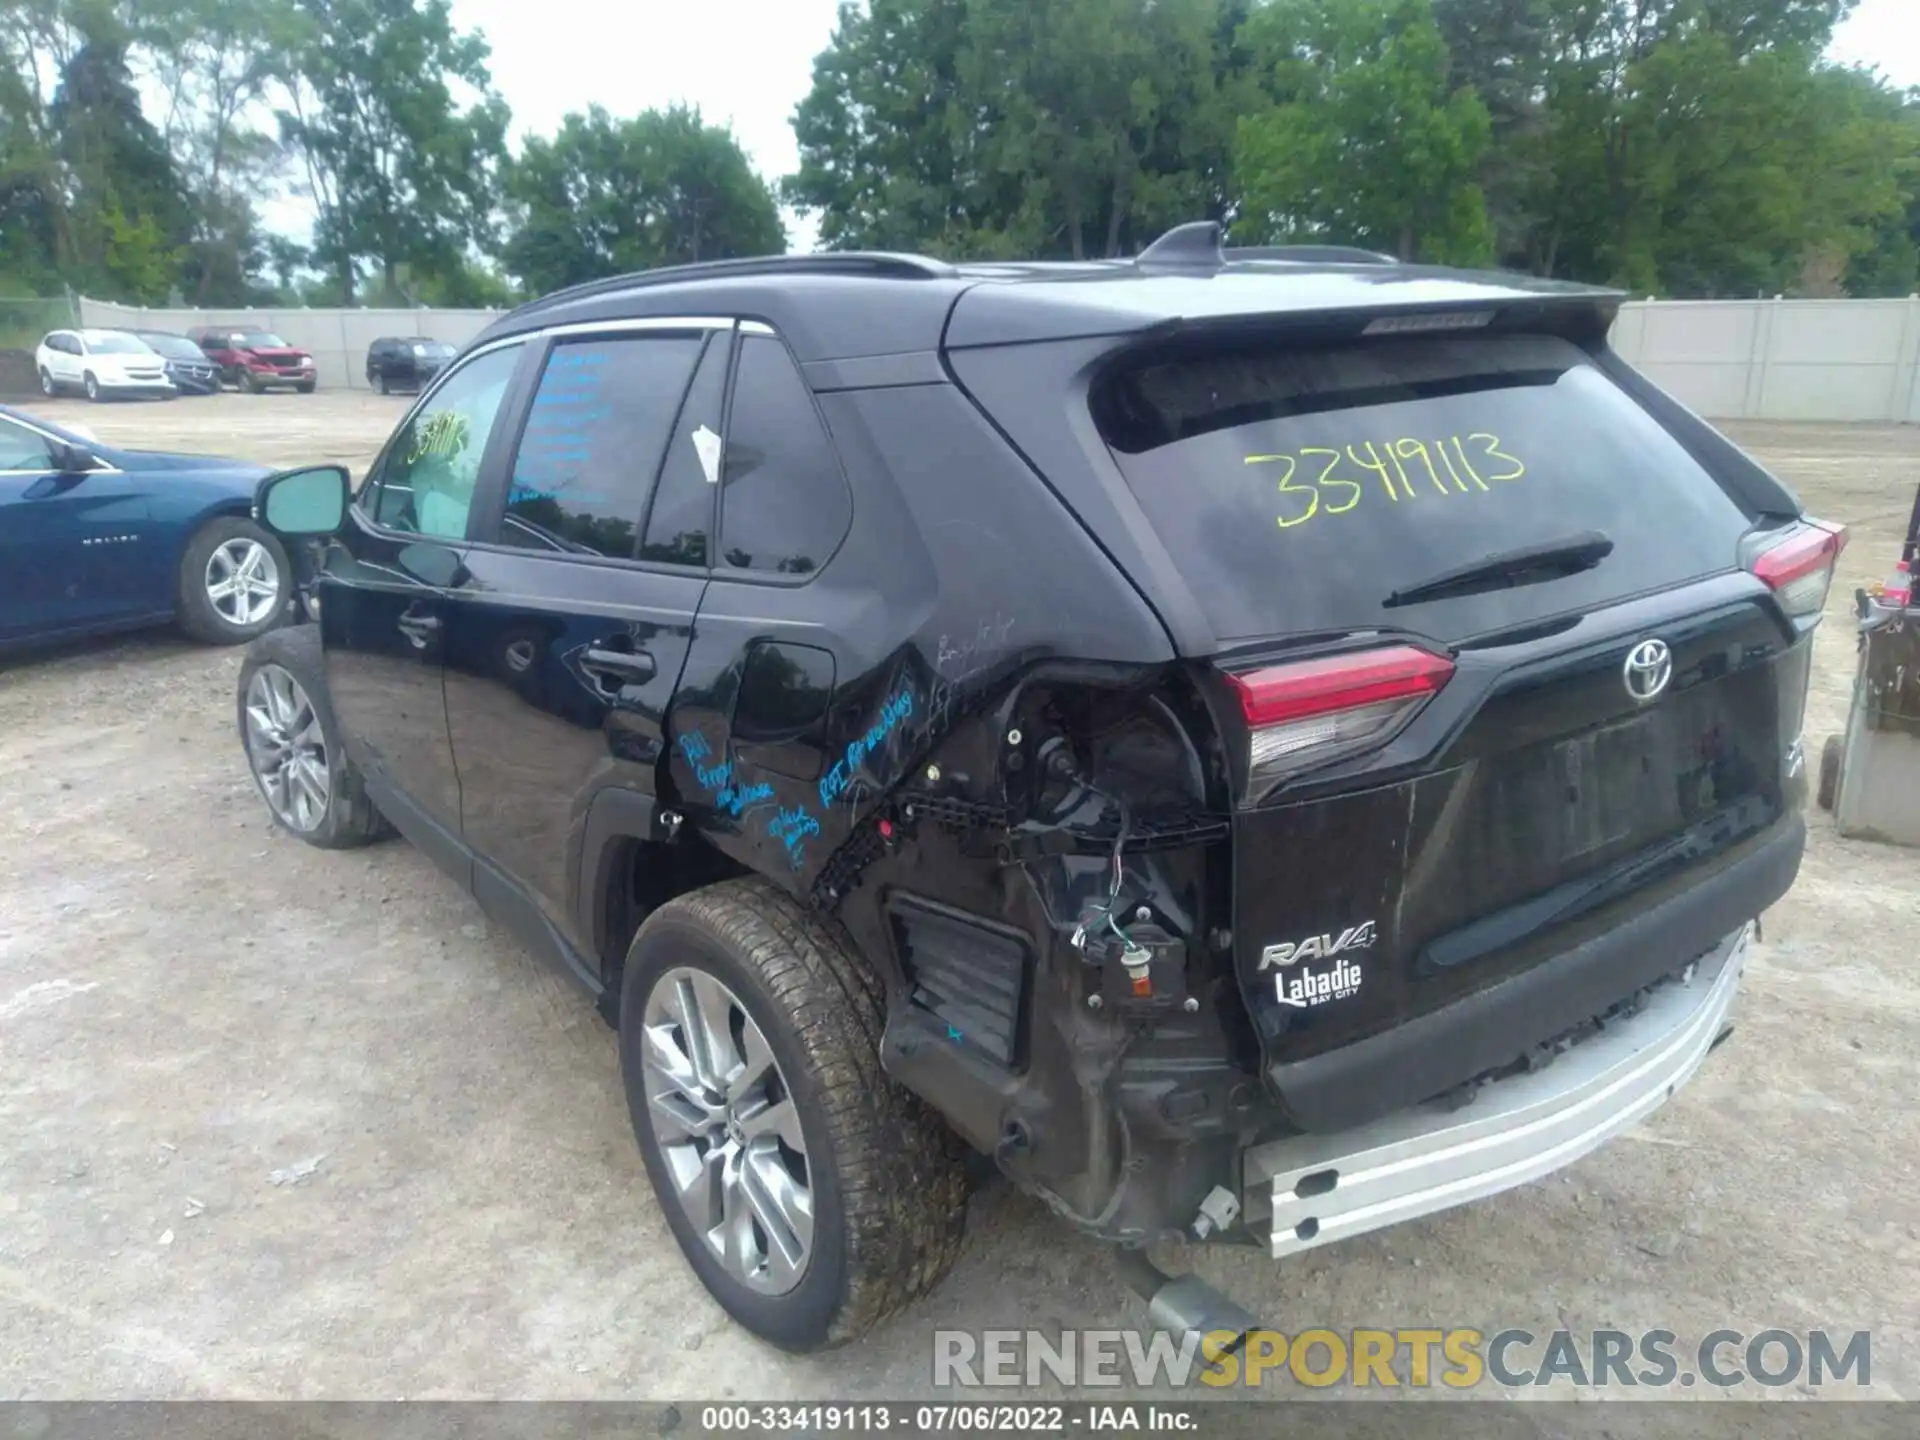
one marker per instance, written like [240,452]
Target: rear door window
[1298,488]
[593,441]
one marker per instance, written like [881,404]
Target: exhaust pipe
[1185,1304]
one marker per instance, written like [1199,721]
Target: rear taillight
[1312,711]
[1798,567]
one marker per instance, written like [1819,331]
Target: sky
[1884,34]
[747,63]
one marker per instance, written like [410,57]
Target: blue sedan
[95,539]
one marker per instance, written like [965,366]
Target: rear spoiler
[1150,303]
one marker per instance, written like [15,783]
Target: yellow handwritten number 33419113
[1394,464]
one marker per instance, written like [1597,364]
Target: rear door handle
[625,667]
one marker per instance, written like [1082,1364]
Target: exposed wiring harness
[1103,916]
[1100,918]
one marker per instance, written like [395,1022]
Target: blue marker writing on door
[717,780]
[834,783]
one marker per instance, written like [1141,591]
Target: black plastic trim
[971,974]
[507,904]
[1431,1053]
[616,814]
[876,372]
[422,831]
[972,1093]
[503,901]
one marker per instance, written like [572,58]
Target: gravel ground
[286,1124]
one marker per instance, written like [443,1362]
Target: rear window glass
[1297,489]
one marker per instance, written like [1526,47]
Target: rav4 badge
[1318,947]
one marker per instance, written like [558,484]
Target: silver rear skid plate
[1332,1187]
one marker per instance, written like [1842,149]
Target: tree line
[140,138]
[1679,147]
[1676,147]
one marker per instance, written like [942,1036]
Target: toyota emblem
[1649,667]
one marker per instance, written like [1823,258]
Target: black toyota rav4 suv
[1253,745]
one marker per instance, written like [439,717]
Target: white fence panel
[1698,351]
[1833,360]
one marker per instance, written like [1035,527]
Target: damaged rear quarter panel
[960,568]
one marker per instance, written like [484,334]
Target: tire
[885,1176]
[92,387]
[1831,756]
[49,387]
[385,387]
[305,387]
[251,383]
[207,616]
[347,818]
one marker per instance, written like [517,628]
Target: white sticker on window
[707,444]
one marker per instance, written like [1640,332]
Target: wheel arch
[220,507]
[629,860]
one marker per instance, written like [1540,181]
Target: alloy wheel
[727,1127]
[243,582]
[287,749]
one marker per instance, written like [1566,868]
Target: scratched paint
[961,657]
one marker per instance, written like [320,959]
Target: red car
[254,359]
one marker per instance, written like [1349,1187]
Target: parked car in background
[405,363]
[96,539]
[100,363]
[255,359]
[187,365]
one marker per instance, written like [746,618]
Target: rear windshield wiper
[1554,560]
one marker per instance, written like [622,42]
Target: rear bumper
[1431,1053]
[1515,1130]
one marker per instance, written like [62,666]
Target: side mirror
[303,502]
[71,459]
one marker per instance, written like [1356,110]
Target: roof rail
[1325,254]
[876,264]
